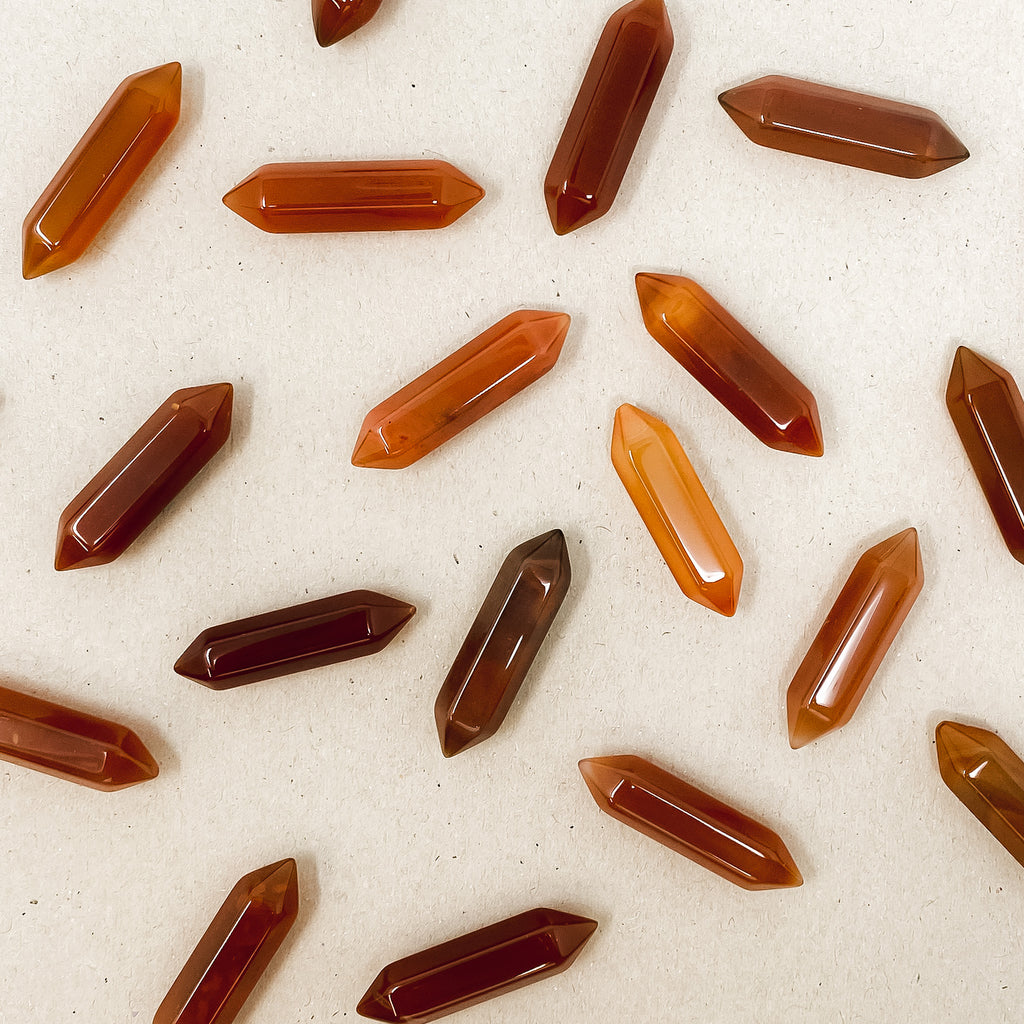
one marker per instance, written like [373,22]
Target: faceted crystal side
[502,642]
[853,640]
[236,949]
[475,967]
[108,160]
[663,807]
[988,413]
[459,390]
[335,19]
[731,363]
[306,636]
[844,127]
[608,116]
[676,510]
[156,463]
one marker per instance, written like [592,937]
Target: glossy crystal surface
[236,949]
[853,640]
[101,169]
[335,19]
[676,510]
[988,413]
[480,965]
[459,390]
[844,127]
[685,819]
[156,463]
[730,362]
[608,116]
[502,642]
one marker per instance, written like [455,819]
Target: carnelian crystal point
[236,948]
[731,363]
[108,160]
[477,966]
[459,390]
[676,510]
[663,807]
[608,116]
[335,19]
[843,127]
[853,640]
[389,195]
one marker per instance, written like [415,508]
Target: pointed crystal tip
[246,199]
[569,210]
[333,20]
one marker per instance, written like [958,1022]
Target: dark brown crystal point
[335,19]
[131,490]
[502,642]
[472,968]
[310,635]
[236,949]
[988,413]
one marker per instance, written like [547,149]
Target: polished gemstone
[395,195]
[845,127]
[716,836]
[853,640]
[730,362]
[335,19]
[475,967]
[502,642]
[71,744]
[608,116]
[676,510]
[310,635]
[236,949]
[131,490]
[459,390]
[988,779]
[101,169]
[988,413]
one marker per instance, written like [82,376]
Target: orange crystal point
[335,19]
[663,807]
[844,127]
[471,382]
[730,362]
[853,640]
[676,510]
[101,169]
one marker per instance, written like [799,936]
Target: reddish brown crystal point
[730,362]
[844,127]
[310,635]
[131,490]
[502,642]
[856,634]
[335,19]
[101,169]
[389,195]
[473,968]
[608,115]
[236,949]
[987,777]
[459,390]
[70,744]
[716,836]
[988,413]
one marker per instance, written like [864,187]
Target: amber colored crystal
[475,967]
[459,390]
[131,490]
[236,949]
[676,510]
[101,169]
[853,640]
[716,836]
[730,362]
[988,413]
[987,777]
[502,642]
[335,19]
[844,127]
[390,195]
[608,116]
[310,635]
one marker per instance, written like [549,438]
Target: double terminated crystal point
[335,19]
